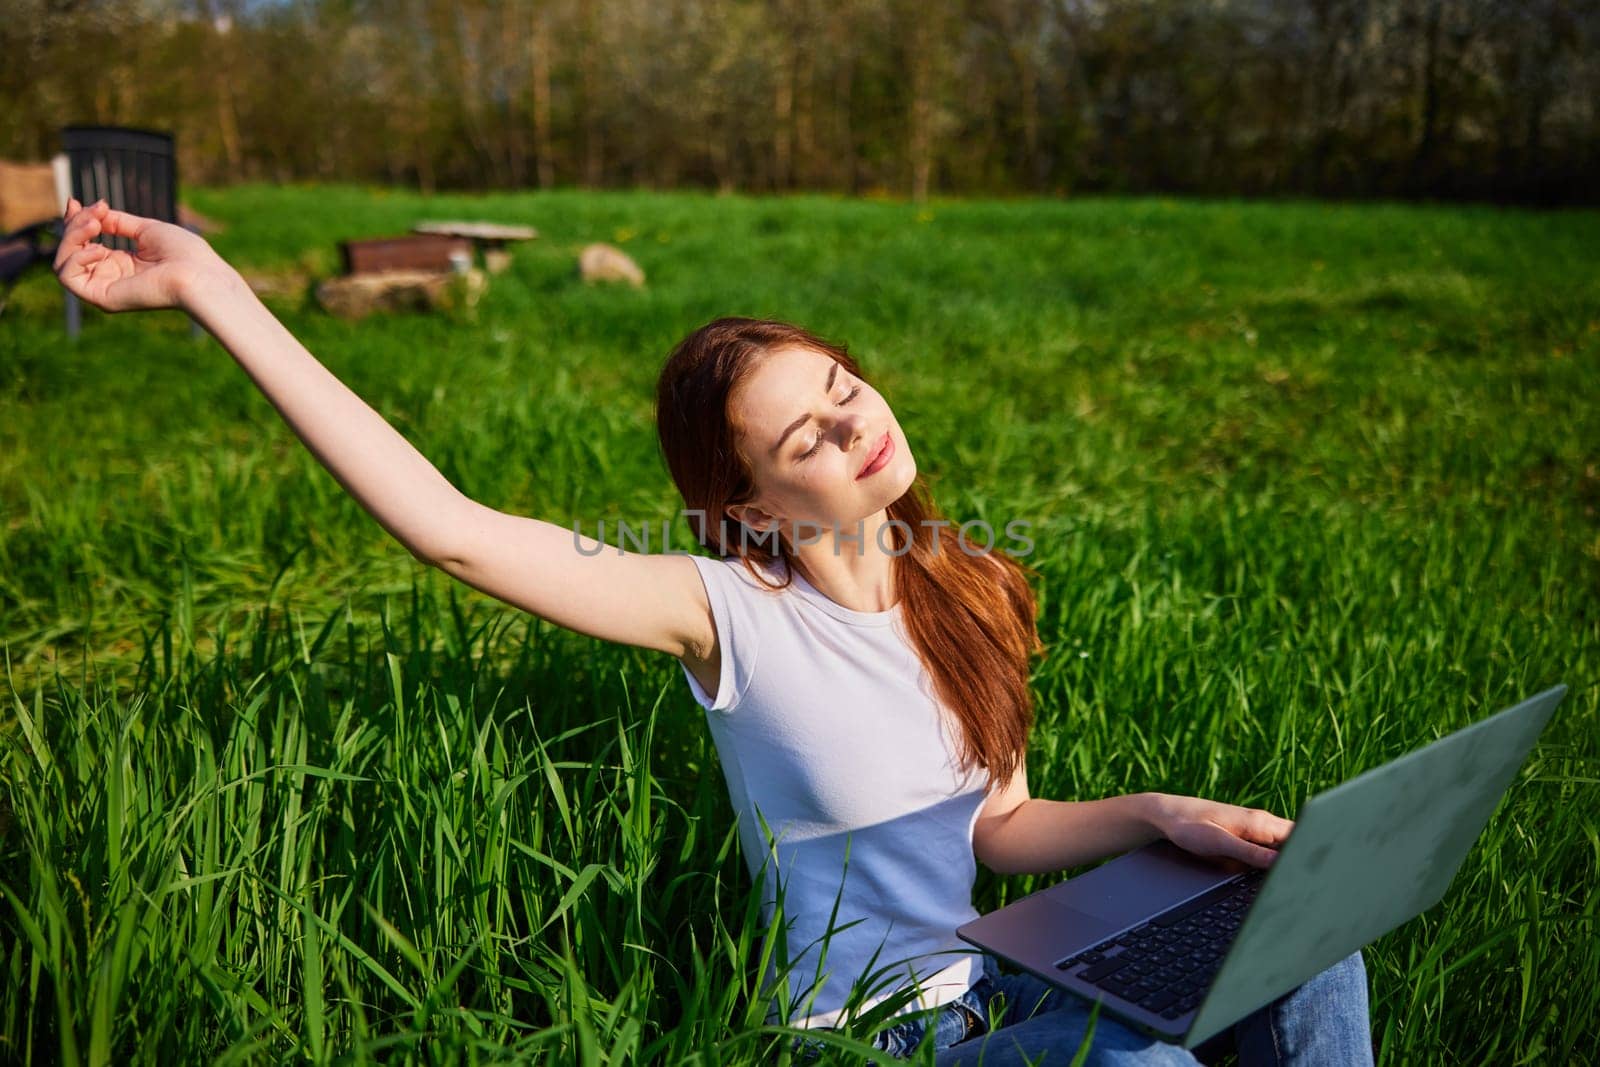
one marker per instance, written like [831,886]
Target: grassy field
[1309,484]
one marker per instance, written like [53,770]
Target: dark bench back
[133,170]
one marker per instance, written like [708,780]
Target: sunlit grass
[1308,486]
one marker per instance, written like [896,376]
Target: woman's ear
[753,517]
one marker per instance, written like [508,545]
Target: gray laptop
[1183,947]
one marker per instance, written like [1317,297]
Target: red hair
[972,625]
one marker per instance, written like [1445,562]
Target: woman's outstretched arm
[1019,834]
[174,268]
[640,599]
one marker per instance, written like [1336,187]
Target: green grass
[1310,485]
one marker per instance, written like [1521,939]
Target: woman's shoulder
[770,576]
[742,607]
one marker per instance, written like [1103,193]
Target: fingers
[99,207]
[78,214]
[82,228]
[1255,855]
[1265,828]
[111,222]
[122,224]
[84,224]
[1225,841]
[88,256]
[82,268]
[1259,836]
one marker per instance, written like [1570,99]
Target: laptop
[1181,946]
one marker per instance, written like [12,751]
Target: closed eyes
[808,453]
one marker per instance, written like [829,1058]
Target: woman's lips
[880,459]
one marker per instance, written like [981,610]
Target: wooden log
[357,295]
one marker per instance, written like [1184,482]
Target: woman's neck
[856,573]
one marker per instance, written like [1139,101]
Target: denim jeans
[1321,1023]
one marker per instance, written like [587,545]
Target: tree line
[1487,99]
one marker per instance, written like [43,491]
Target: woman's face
[808,429]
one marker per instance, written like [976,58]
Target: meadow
[1309,485]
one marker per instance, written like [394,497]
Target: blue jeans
[1321,1023]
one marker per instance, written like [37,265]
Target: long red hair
[973,626]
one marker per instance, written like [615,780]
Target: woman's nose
[854,428]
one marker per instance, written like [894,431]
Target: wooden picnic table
[398,273]
[490,238]
[492,234]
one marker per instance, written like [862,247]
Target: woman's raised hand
[159,273]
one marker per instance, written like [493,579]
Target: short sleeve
[737,617]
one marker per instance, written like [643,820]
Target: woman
[863,669]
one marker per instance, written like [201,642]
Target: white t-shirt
[826,727]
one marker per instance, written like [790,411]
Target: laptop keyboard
[1165,965]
